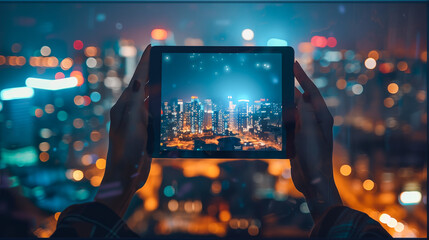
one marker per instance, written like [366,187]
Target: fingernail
[136,86]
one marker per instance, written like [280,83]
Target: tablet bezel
[154,99]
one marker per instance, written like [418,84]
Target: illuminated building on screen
[243,115]
[203,124]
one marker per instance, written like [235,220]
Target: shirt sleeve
[344,222]
[91,220]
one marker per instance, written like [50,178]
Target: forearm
[91,219]
[321,199]
[344,222]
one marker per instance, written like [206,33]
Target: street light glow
[16,93]
[47,84]
[410,197]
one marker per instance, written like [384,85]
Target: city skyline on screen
[221,102]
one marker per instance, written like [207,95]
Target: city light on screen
[221,102]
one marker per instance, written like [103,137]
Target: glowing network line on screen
[16,93]
[53,85]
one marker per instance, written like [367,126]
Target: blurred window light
[389,102]
[59,75]
[78,75]
[45,133]
[368,184]
[224,215]
[373,54]
[386,68]
[331,42]
[276,42]
[65,64]
[151,204]
[16,93]
[341,83]
[91,62]
[305,47]
[194,42]
[128,51]
[345,170]
[95,96]
[78,44]
[91,51]
[247,34]
[62,116]
[44,156]
[45,51]
[77,175]
[26,156]
[2,59]
[393,88]
[424,56]
[370,63]
[357,89]
[53,85]
[319,41]
[16,48]
[96,181]
[44,146]
[392,222]
[169,191]
[101,163]
[173,205]
[384,217]
[402,66]
[410,198]
[49,108]
[399,227]
[101,17]
[159,34]
[333,56]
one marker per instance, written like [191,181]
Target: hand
[128,163]
[312,168]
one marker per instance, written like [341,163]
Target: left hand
[128,164]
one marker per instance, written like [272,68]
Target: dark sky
[219,75]
[359,26]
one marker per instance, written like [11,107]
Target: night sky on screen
[250,76]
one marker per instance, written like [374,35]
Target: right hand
[128,163]
[311,169]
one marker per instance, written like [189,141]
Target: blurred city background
[63,65]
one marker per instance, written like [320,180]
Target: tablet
[221,102]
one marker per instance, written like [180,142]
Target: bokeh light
[100,163]
[368,184]
[247,34]
[345,170]
[370,63]
[159,34]
[77,44]
[45,51]
[77,175]
[393,88]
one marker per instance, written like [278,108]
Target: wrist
[113,195]
[322,199]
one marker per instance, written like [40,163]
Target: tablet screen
[221,102]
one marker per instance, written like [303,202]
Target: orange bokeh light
[159,34]
[79,76]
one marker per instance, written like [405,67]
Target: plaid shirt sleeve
[91,220]
[344,222]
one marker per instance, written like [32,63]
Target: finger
[141,75]
[298,95]
[119,109]
[321,110]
